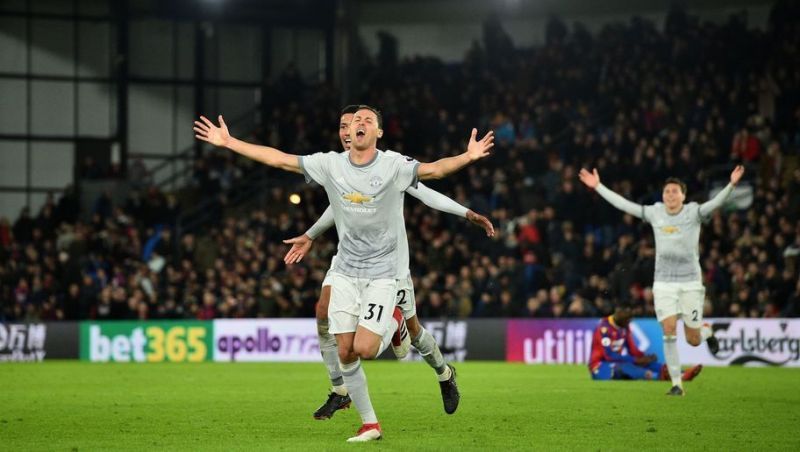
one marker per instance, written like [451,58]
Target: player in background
[364,188]
[420,338]
[615,355]
[678,286]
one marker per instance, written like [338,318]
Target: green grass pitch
[81,406]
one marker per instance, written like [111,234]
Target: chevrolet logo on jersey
[356,197]
[670,229]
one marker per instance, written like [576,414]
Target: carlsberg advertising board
[748,342]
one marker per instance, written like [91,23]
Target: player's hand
[591,180]
[477,150]
[481,221]
[300,247]
[736,174]
[208,132]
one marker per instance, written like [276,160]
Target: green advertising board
[167,341]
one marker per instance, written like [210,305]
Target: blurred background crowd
[637,103]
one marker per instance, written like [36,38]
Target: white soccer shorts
[361,302]
[684,299]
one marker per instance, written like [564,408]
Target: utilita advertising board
[569,341]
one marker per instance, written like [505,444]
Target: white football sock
[356,381]
[429,350]
[330,355]
[705,331]
[673,360]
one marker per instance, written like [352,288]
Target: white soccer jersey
[677,242]
[367,204]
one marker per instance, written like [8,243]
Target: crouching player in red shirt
[609,362]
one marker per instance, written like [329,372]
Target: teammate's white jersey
[367,204]
[677,235]
[677,242]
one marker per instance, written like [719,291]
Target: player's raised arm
[438,201]
[716,202]
[302,243]
[592,180]
[205,130]
[476,150]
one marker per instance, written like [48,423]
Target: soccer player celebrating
[421,339]
[615,355]
[364,188]
[678,288]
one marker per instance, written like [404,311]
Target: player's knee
[669,329]
[365,351]
[347,356]
[693,339]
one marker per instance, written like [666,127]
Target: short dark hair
[676,181]
[374,110]
[349,110]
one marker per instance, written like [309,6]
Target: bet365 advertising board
[151,342]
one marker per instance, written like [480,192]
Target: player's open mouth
[360,132]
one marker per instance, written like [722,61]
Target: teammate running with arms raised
[678,290]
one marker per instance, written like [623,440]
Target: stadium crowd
[637,103]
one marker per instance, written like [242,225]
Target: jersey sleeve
[316,167]
[436,200]
[633,349]
[707,208]
[619,201]
[649,212]
[406,173]
[696,212]
[325,222]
